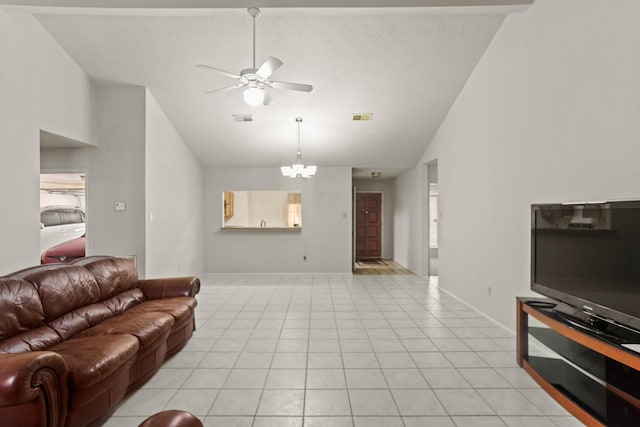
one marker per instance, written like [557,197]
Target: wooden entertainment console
[586,371]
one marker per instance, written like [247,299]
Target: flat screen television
[587,255]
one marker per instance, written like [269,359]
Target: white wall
[325,235]
[408,220]
[143,162]
[550,114]
[384,186]
[40,88]
[173,196]
[115,173]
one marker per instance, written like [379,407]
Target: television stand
[592,374]
[587,328]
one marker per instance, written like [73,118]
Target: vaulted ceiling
[406,65]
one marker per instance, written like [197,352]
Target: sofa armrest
[170,287]
[34,375]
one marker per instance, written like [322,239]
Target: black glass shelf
[598,377]
[586,392]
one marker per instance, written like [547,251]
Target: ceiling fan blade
[269,67]
[226,73]
[222,89]
[292,86]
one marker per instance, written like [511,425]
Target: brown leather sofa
[76,339]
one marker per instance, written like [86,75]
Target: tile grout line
[344,371]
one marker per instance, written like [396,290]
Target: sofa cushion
[35,340]
[180,308]
[147,327]
[62,288]
[114,275]
[124,301]
[92,359]
[20,307]
[71,323]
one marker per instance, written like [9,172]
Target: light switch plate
[120,206]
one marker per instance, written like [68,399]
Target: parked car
[65,252]
[59,224]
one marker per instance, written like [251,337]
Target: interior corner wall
[117,174]
[41,88]
[384,186]
[408,220]
[550,114]
[325,235]
[173,197]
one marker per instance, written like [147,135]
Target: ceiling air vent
[362,117]
[238,118]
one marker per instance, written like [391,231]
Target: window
[52,217]
[72,216]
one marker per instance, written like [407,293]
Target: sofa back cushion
[62,288]
[20,307]
[124,300]
[80,319]
[114,275]
[43,305]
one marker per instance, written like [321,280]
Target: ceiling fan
[256,80]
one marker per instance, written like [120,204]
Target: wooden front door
[368,225]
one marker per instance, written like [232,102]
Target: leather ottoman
[172,418]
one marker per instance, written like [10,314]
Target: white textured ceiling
[404,65]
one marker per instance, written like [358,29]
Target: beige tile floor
[342,350]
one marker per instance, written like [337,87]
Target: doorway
[432,240]
[368,225]
[62,217]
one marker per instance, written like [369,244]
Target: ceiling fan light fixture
[255,80]
[298,169]
[253,96]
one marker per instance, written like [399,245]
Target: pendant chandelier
[298,169]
